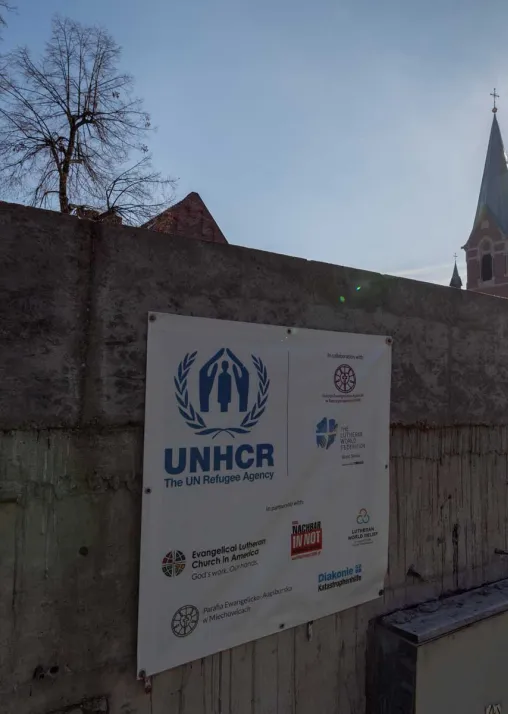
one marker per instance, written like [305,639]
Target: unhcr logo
[224,382]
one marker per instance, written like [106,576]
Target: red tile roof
[189,218]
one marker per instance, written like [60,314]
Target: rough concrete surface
[436,331]
[71,410]
[43,294]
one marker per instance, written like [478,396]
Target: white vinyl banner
[265,485]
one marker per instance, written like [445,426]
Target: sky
[347,131]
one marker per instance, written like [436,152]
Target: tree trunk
[62,194]
[64,173]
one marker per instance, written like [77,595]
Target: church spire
[494,188]
[494,96]
[456,281]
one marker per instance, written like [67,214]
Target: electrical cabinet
[443,657]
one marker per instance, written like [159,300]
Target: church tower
[487,246]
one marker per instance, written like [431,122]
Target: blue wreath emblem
[195,420]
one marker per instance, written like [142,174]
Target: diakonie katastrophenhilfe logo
[227,377]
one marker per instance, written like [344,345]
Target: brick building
[189,218]
[487,246]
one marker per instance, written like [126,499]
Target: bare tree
[4,7]
[69,125]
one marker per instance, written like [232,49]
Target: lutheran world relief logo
[364,533]
[224,385]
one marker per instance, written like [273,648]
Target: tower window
[486,268]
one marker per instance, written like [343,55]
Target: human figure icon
[242,381]
[207,375]
[224,387]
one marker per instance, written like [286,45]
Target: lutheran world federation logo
[326,433]
[224,388]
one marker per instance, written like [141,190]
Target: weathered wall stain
[97,705]
[455,541]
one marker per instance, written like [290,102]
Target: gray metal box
[444,657]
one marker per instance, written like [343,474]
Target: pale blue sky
[348,131]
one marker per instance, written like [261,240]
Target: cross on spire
[455,256]
[495,96]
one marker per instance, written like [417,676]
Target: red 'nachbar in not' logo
[306,539]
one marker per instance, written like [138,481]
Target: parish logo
[184,621]
[344,379]
[326,433]
[224,388]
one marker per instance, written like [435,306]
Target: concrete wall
[74,297]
